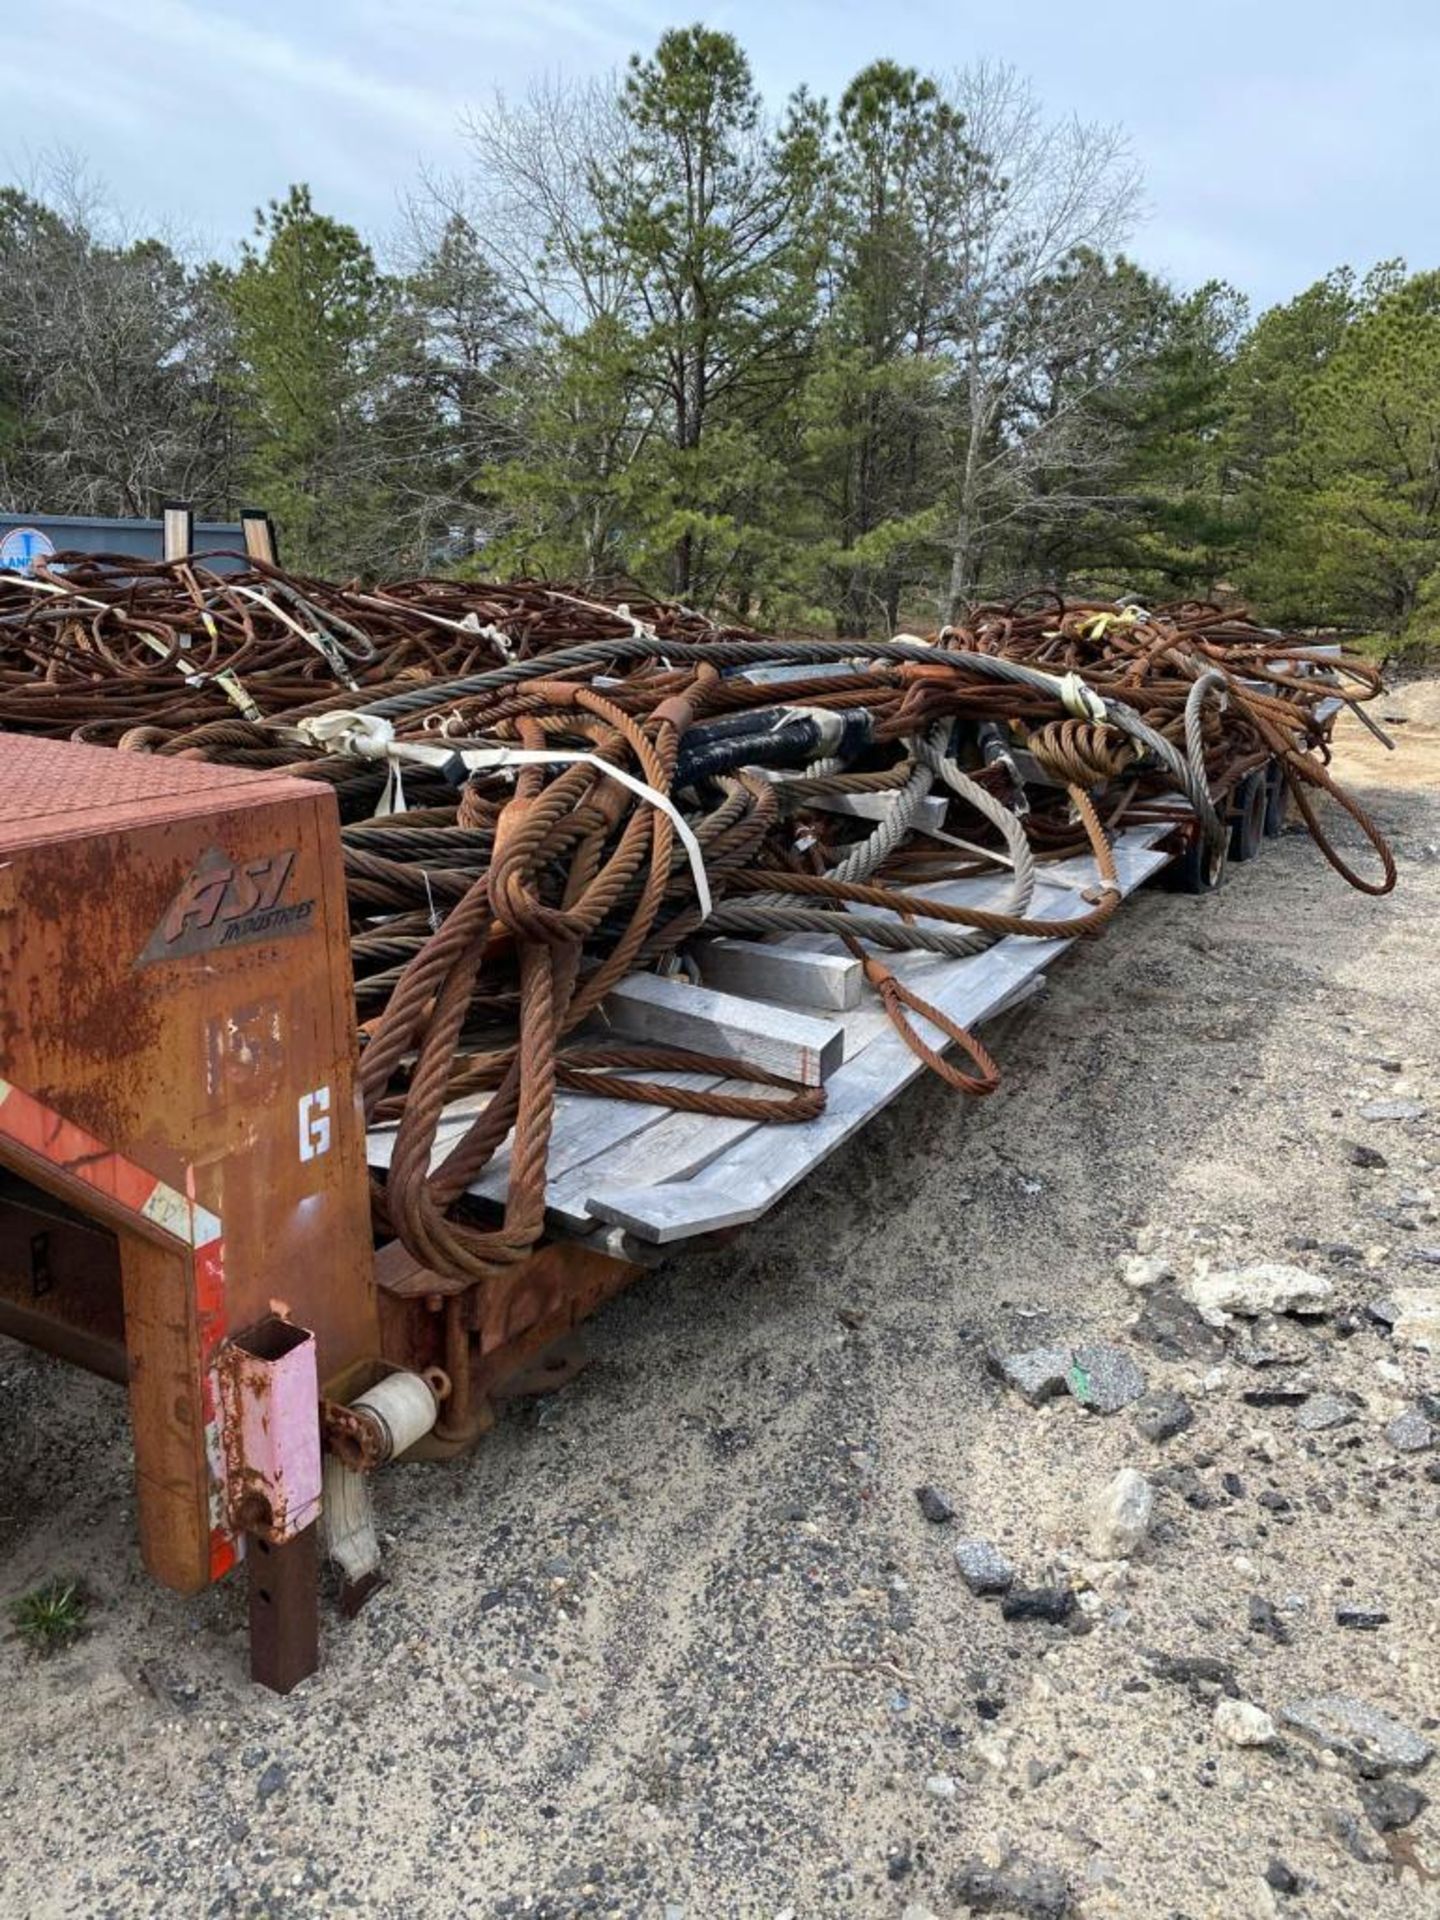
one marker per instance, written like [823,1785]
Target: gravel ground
[680,1642]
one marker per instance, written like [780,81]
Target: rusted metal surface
[60,1280]
[351,1437]
[179,1067]
[283,1593]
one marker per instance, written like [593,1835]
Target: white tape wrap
[403,1407]
[367,736]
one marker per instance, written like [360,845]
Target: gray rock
[1390,1804]
[1162,1414]
[1018,1888]
[1342,1826]
[1282,1878]
[272,1781]
[934,1505]
[1206,1676]
[1361,1156]
[1265,1619]
[1119,1515]
[1324,1411]
[1370,1740]
[1171,1326]
[983,1567]
[1292,1391]
[1393,1110]
[1104,1379]
[1037,1375]
[1052,1604]
[1410,1432]
[1361,1619]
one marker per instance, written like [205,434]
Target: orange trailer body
[178,1107]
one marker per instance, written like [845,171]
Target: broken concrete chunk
[1393,1110]
[1243,1724]
[1120,1513]
[1415,1317]
[1370,1740]
[1324,1411]
[1269,1287]
[1410,1432]
[983,1567]
[1141,1271]
[1104,1379]
[1037,1375]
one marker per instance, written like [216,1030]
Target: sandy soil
[678,1642]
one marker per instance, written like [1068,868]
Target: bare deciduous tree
[116,356]
[1045,205]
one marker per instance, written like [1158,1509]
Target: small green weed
[51,1616]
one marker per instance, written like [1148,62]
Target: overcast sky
[1278,137]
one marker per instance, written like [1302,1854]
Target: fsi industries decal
[230,903]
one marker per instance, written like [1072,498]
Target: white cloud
[1276,139]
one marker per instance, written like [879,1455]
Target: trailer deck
[660,1176]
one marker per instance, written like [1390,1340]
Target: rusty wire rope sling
[435,988]
[454,943]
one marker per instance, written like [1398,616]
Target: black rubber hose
[795,744]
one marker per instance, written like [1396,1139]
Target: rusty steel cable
[542,790]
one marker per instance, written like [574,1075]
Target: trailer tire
[1277,801]
[1249,808]
[1200,868]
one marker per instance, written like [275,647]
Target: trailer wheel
[1248,810]
[1200,868]
[1277,801]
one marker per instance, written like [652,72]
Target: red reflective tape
[42,1131]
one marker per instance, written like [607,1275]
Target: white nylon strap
[1079,699]
[480,758]
[54,586]
[368,736]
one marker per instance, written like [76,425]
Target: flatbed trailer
[186,1174]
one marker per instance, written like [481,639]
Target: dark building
[27,537]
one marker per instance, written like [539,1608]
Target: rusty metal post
[284,1598]
[271,1441]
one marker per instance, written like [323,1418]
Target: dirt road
[680,1641]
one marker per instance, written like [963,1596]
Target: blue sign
[22,547]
